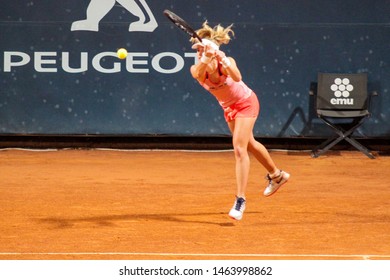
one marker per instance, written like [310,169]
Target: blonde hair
[217,34]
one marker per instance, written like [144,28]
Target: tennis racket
[182,24]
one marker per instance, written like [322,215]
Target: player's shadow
[111,220]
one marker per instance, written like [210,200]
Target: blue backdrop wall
[60,75]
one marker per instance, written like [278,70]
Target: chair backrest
[342,95]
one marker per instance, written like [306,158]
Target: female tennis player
[220,75]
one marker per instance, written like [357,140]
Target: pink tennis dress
[236,98]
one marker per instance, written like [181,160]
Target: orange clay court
[117,204]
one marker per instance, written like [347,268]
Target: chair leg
[326,146]
[360,147]
[343,135]
[355,143]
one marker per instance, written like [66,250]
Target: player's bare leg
[276,177]
[241,129]
[262,155]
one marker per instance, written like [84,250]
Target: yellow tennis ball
[122,53]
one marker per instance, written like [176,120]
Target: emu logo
[342,89]
[97,9]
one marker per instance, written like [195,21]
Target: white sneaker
[276,182]
[238,209]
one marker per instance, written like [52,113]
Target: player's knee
[240,151]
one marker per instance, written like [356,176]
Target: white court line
[145,150]
[121,150]
[270,256]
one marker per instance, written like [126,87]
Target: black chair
[342,102]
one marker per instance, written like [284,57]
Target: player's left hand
[220,55]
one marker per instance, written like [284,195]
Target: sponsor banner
[59,71]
